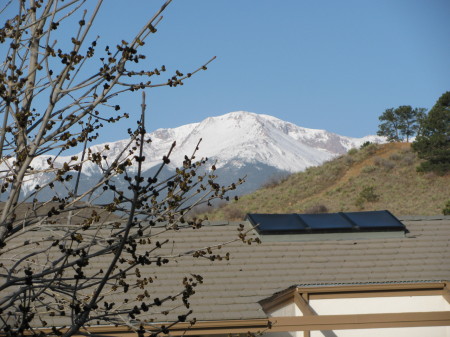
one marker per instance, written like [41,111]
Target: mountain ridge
[238,139]
[301,140]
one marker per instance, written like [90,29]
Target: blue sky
[333,65]
[324,64]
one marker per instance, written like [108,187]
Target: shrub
[409,158]
[371,148]
[446,210]
[367,194]
[317,209]
[395,156]
[365,144]
[352,151]
[439,168]
[388,165]
[430,175]
[384,163]
[368,169]
[349,161]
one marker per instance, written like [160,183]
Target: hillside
[376,177]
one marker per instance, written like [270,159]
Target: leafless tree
[50,105]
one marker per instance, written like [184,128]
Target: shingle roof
[232,288]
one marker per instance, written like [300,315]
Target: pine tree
[401,123]
[390,127]
[433,140]
[409,120]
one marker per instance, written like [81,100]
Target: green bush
[367,194]
[371,148]
[352,151]
[446,210]
[365,144]
[368,169]
[317,209]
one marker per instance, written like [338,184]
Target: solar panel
[373,221]
[327,222]
[277,223]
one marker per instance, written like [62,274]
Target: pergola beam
[446,292]
[301,301]
[304,307]
[296,323]
[361,321]
[310,320]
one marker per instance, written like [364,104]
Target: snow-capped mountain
[238,142]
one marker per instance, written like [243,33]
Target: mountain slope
[246,137]
[238,143]
[374,178]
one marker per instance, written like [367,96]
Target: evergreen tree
[410,120]
[433,140]
[390,127]
[400,123]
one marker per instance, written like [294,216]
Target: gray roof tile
[232,289]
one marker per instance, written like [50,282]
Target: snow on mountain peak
[237,139]
[246,137]
[250,137]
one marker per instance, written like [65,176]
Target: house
[388,278]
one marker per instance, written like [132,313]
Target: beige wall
[342,306]
[374,305]
[288,310]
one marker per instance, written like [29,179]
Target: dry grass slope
[376,177]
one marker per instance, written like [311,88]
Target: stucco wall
[371,305]
[288,310]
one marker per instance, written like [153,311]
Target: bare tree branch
[53,229]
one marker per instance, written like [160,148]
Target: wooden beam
[446,292]
[305,296]
[361,321]
[280,300]
[372,287]
[297,323]
[303,305]
[376,293]
[355,291]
